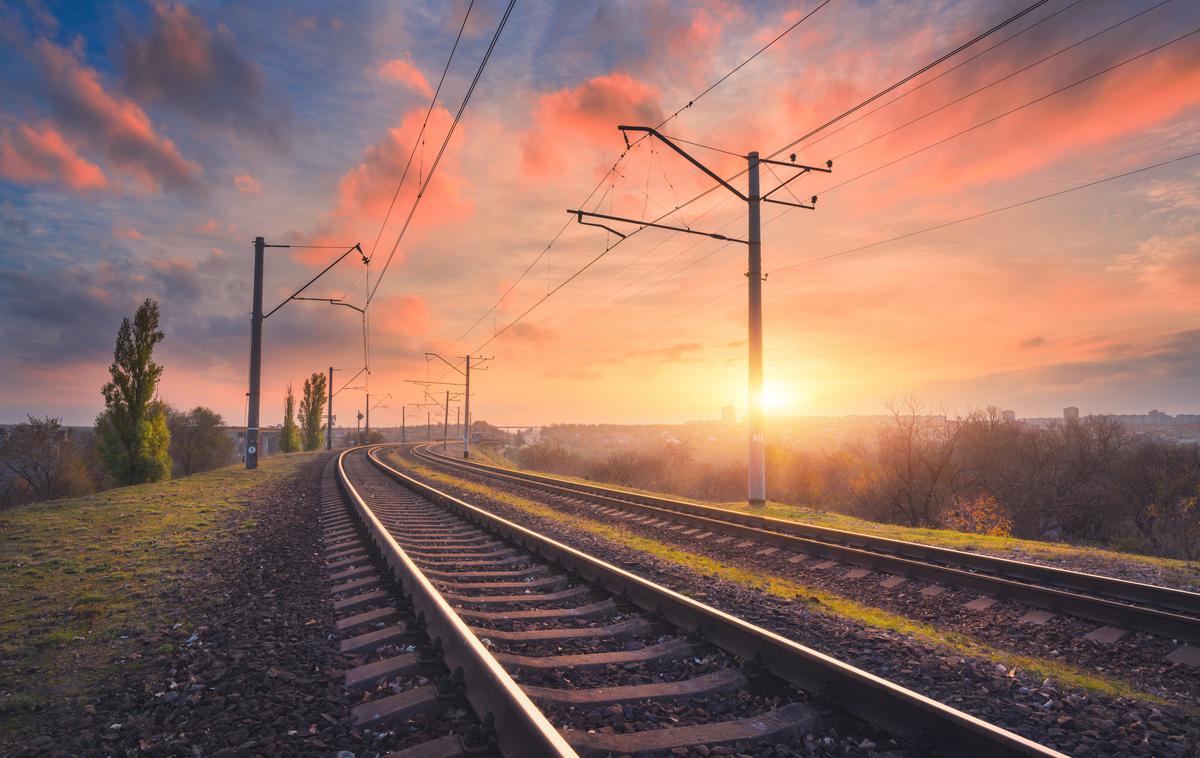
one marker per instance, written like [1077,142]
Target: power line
[927,147]
[442,150]
[878,243]
[425,123]
[993,211]
[1011,111]
[982,35]
[630,147]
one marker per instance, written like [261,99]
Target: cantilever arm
[655,133]
[641,222]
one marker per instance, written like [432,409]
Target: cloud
[367,189]
[202,72]
[248,184]
[127,233]
[404,72]
[42,155]
[1159,371]
[1033,342]
[400,315]
[116,124]
[585,117]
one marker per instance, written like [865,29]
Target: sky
[143,146]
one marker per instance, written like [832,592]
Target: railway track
[1119,605]
[560,653]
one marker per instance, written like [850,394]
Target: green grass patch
[817,600]
[94,567]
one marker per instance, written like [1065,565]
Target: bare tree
[916,464]
[41,454]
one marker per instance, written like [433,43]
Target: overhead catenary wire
[420,139]
[624,342]
[927,147]
[845,114]
[604,179]
[442,149]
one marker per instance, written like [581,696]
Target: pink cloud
[112,122]
[128,233]
[405,73]
[366,190]
[42,155]
[247,183]
[587,116]
[400,315]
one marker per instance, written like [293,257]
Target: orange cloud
[586,116]
[128,233]
[365,191]
[115,123]
[403,315]
[247,183]
[404,72]
[44,156]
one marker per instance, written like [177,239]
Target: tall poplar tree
[311,405]
[132,430]
[289,439]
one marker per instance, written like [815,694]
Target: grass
[83,577]
[1181,573]
[816,600]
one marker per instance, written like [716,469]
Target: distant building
[1158,414]
[1071,414]
[1009,416]
[728,415]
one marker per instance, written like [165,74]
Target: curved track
[545,636]
[1120,604]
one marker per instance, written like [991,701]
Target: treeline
[137,438]
[40,459]
[1090,480]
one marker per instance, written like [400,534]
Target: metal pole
[428,425]
[757,468]
[467,414]
[256,318]
[367,430]
[403,431]
[329,431]
[458,420]
[446,422]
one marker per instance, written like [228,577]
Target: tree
[42,456]
[197,440]
[289,439]
[132,435]
[311,405]
[916,465]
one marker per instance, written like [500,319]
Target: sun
[777,397]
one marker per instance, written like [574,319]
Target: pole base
[760,504]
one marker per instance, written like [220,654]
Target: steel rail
[521,727]
[998,577]
[905,713]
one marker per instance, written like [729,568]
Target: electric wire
[891,88]
[634,144]
[421,134]
[927,147]
[442,149]
[1009,112]
[624,342]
